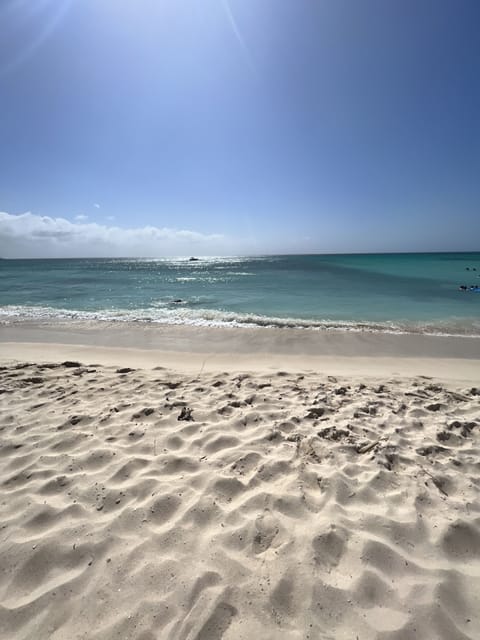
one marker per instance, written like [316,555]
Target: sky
[220,127]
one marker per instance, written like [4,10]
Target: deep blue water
[399,292]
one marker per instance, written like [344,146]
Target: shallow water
[383,292]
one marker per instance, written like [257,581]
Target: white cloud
[81,217]
[110,218]
[96,205]
[29,235]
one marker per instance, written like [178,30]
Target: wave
[179,314]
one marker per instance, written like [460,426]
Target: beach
[185,482]
[239,320]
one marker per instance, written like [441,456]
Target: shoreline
[198,349]
[465,327]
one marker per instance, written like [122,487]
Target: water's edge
[46,316]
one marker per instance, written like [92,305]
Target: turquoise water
[378,292]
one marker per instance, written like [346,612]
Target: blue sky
[241,126]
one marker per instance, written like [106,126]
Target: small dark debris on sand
[144,412]
[186,414]
[367,446]
[315,412]
[332,433]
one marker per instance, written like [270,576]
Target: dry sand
[154,503]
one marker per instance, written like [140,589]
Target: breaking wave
[178,313]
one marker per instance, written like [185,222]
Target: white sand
[195,349]
[293,505]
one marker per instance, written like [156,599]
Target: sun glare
[26,26]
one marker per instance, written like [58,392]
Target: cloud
[81,217]
[28,235]
[110,218]
[96,205]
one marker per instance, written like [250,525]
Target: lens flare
[238,35]
[25,26]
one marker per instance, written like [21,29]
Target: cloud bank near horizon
[28,235]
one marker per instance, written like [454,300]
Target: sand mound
[150,504]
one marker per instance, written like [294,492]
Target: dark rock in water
[177,301]
[125,370]
[69,363]
[192,259]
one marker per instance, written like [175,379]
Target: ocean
[416,293]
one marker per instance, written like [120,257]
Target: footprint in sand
[266,530]
[329,547]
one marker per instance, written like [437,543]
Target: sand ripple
[150,504]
